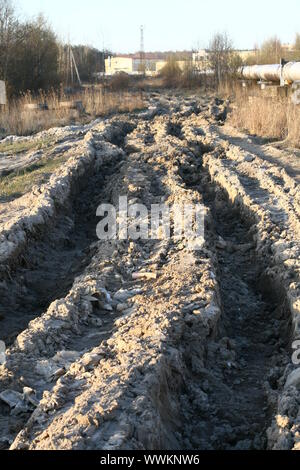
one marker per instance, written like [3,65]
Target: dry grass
[21,181]
[294,125]
[24,146]
[17,120]
[99,102]
[261,117]
[272,118]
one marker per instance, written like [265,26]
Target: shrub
[120,81]
[171,73]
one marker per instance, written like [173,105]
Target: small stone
[123,295]
[2,353]
[30,395]
[66,356]
[91,359]
[90,298]
[282,421]
[131,247]
[197,312]
[146,276]
[11,398]
[293,379]
[221,244]
[106,307]
[122,307]
[58,373]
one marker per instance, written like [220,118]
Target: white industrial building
[132,65]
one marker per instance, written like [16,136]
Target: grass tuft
[21,181]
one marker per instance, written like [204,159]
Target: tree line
[224,60]
[32,58]
[272,50]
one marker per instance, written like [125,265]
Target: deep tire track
[248,357]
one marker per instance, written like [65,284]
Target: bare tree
[8,26]
[34,62]
[220,55]
[297,47]
[271,51]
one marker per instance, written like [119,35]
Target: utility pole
[142,52]
[103,53]
[71,65]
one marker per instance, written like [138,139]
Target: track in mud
[53,258]
[257,326]
[229,403]
[236,410]
[46,270]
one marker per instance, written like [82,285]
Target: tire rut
[245,362]
[46,270]
[53,259]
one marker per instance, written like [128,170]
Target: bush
[120,81]
[171,73]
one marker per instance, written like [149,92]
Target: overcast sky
[169,24]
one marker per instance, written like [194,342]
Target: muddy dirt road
[149,344]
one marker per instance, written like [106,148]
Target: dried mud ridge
[196,354]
